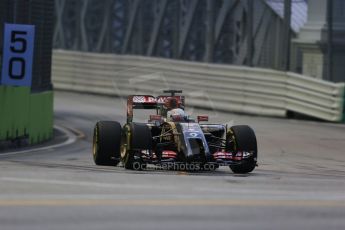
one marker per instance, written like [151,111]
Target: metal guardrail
[220,87]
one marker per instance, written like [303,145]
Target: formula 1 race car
[175,142]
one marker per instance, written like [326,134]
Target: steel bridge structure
[241,32]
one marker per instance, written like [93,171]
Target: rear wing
[180,99]
[151,102]
[139,102]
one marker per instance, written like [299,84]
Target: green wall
[344,108]
[25,113]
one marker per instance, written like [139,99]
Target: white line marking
[71,139]
[84,183]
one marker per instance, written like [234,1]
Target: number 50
[18,47]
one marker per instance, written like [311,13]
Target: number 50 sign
[18,54]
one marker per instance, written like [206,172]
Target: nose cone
[196,150]
[193,142]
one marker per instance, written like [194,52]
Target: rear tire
[140,139]
[245,140]
[106,143]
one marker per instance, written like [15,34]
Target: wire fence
[39,13]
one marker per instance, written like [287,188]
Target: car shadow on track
[122,170]
[156,171]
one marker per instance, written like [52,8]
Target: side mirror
[202,118]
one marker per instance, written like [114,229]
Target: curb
[71,138]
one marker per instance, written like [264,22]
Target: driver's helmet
[174,112]
[171,103]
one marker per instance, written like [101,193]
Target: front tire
[244,140]
[106,143]
[140,139]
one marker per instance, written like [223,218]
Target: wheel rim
[95,143]
[123,151]
[124,143]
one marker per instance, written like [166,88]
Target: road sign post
[17,55]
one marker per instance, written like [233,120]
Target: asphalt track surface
[299,184]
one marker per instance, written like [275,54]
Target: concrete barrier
[221,87]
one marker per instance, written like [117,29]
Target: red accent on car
[202,118]
[169,154]
[163,99]
[223,155]
[155,117]
[228,156]
[238,156]
[145,99]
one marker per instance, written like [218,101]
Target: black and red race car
[173,143]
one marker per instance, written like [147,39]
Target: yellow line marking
[171,202]
[78,133]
